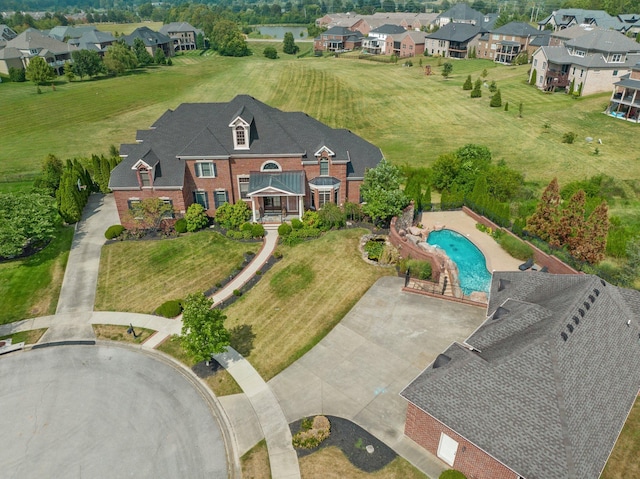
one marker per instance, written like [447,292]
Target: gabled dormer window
[145,177]
[241,130]
[617,58]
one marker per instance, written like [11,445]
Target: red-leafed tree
[570,228]
[543,223]
[596,230]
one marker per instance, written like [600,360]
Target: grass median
[300,299]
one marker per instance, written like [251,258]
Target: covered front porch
[276,197]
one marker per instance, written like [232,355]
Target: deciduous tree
[203,331]
[140,51]
[38,71]
[149,213]
[381,192]
[447,68]
[87,63]
[119,58]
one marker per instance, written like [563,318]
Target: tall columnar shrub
[477,89]
[468,84]
[534,76]
[544,220]
[496,100]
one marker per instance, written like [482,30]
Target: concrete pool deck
[497,259]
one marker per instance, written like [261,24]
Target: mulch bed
[352,441]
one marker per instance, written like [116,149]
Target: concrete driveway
[358,370]
[104,412]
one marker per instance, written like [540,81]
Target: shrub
[257,230]
[311,218]
[515,247]
[309,438]
[468,84]
[17,74]
[452,474]
[247,234]
[418,269]
[296,224]
[235,235]
[277,254]
[374,249]
[181,226]
[496,100]
[196,217]
[270,52]
[569,137]
[170,309]
[284,229]
[331,216]
[237,292]
[245,227]
[113,231]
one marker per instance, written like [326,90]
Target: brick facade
[472,461]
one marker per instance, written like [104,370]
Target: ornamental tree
[288,45]
[447,68]
[149,213]
[38,71]
[203,331]
[381,192]
[544,220]
[596,231]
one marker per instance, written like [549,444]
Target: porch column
[253,209]
[300,207]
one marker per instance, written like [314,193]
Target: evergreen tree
[493,87]
[477,89]
[68,198]
[468,84]
[49,179]
[426,199]
[140,51]
[447,68]
[288,45]
[534,75]
[570,228]
[520,108]
[496,100]
[506,106]
[596,231]
[159,57]
[544,220]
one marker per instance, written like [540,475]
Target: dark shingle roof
[462,11]
[518,29]
[201,130]
[604,41]
[456,32]
[148,37]
[552,377]
[388,29]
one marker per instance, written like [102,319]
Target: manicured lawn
[331,463]
[31,336]
[413,118]
[623,462]
[302,298]
[221,382]
[255,462]
[114,332]
[29,287]
[126,28]
[139,276]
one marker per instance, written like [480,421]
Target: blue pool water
[470,261]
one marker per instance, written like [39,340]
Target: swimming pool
[472,267]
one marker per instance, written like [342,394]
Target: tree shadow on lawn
[242,337]
[352,441]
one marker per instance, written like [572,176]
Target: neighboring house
[561,37]
[376,44]
[337,39]
[152,41]
[625,100]
[244,150]
[504,44]
[33,43]
[463,13]
[541,389]
[183,35]
[568,17]
[408,44]
[94,40]
[365,23]
[593,62]
[7,33]
[631,22]
[452,40]
[64,34]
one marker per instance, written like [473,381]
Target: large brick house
[243,150]
[541,389]
[337,39]
[504,44]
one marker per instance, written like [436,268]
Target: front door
[272,203]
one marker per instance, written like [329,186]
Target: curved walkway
[75,316]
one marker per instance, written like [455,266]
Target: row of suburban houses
[57,44]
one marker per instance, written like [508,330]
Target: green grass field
[164,270]
[413,118]
[29,287]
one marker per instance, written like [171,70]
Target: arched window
[241,139]
[271,166]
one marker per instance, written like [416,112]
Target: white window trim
[238,178]
[270,162]
[198,169]
[236,145]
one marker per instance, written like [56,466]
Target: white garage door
[447,449]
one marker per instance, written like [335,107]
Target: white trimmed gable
[324,149]
[141,164]
[241,131]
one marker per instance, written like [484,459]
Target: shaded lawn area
[220,381]
[31,336]
[114,332]
[623,462]
[30,287]
[138,276]
[302,297]
[331,463]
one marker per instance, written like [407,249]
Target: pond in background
[278,31]
[472,266]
